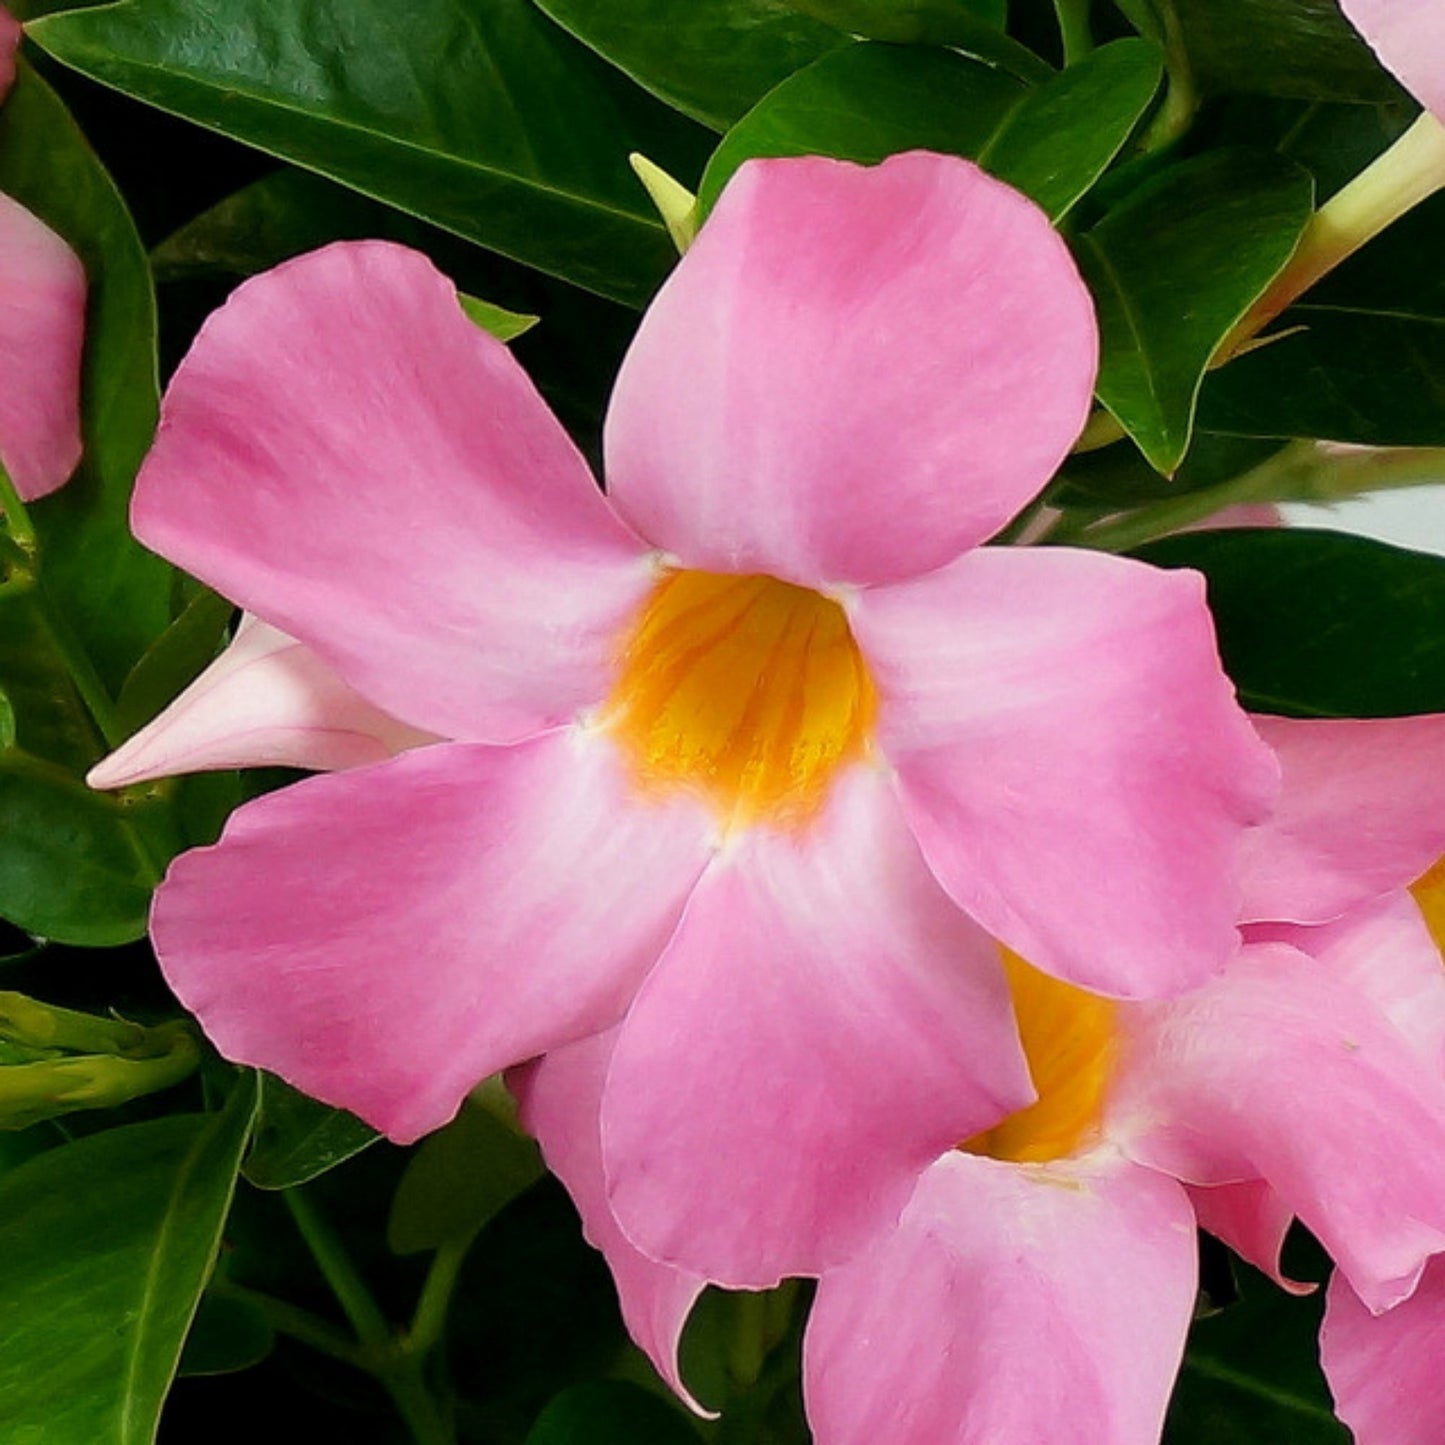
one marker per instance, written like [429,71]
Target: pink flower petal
[1283,1072]
[854,373]
[1385,1370]
[823,1024]
[1384,951]
[42,329]
[560,1095]
[1361,812]
[1409,38]
[1071,758]
[10,36]
[386,937]
[267,701]
[1013,1303]
[346,454]
[1253,1221]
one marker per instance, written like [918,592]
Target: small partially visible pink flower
[748,782]
[42,325]
[1040,1281]
[1409,38]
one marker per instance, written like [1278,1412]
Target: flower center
[1429,894]
[1070,1041]
[747,689]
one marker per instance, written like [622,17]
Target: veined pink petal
[823,1024]
[10,34]
[1384,950]
[560,1095]
[1409,38]
[1361,813]
[42,328]
[1385,1370]
[267,701]
[1283,1072]
[386,937]
[1253,1221]
[1071,758]
[1013,1303]
[344,453]
[854,373]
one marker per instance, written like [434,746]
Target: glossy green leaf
[1252,1373]
[1173,269]
[497,320]
[607,1412]
[459,1179]
[519,141]
[227,1335]
[298,1138]
[115,596]
[870,101]
[1059,138]
[711,61]
[1367,363]
[1321,624]
[73,866]
[1302,48]
[107,1244]
[175,658]
[50,719]
[867,102]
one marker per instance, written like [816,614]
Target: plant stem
[357,1304]
[428,1324]
[1410,171]
[1074,32]
[299,1324]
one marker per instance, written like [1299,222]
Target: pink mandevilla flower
[42,324]
[1409,38]
[1040,1281]
[754,754]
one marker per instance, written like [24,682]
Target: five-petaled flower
[1040,1282]
[752,758]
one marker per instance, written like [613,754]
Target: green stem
[1409,172]
[357,1304]
[17,519]
[299,1324]
[429,1322]
[1074,32]
[1181,98]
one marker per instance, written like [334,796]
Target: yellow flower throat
[750,691]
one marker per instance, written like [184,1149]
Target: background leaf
[711,61]
[107,1244]
[518,142]
[606,1412]
[1321,624]
[1173,269]
[298,1138]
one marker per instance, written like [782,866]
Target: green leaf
[298,1138]
[1367,364]
[115,596]
[607,1412]
[71,861]
[175,659]
[1060,137]
[1173,269]
[866,102]
[1321,624]
[459,1179]
[50,719]
[871,101]
[227,1335]
[1303,48]
[1252,1372]
[107,1245]
[518,141]
[711,61]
